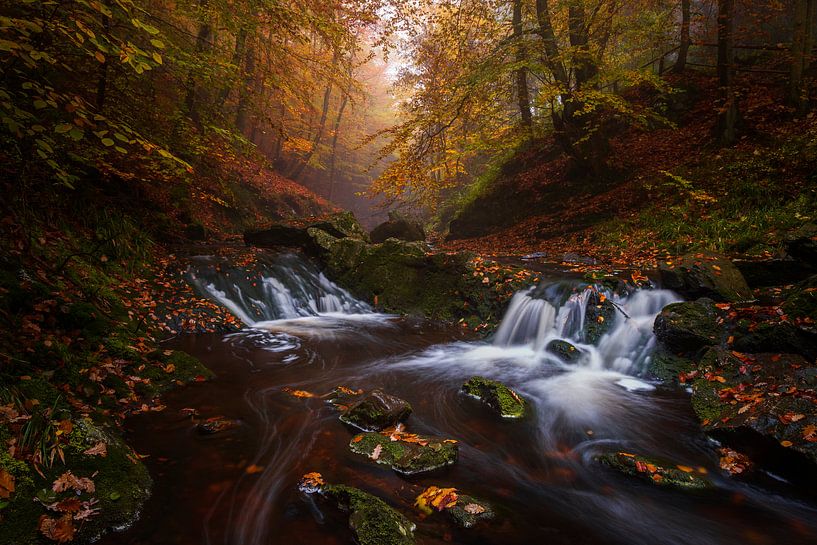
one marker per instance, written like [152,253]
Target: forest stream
[306,336]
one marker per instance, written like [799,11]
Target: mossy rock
[801,301]
[706,275]
[409,454]
[689,326]
[655,471]
[372,521]
[599,317]
[496,395]
[666,366]
[122,486]
[564,351]
[376,411]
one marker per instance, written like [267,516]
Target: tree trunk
[316,141]
[246,88]
[729,113]
[202,40]
[522,92]
[238,54]
[102,82]
[335,135]
[683,50]
[802,44]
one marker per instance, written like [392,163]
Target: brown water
[239,487]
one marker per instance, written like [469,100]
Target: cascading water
[286,287]
[240,488]
[533,320]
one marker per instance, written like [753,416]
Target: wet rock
[801,302]
[656,471]
[689,326]
[405,453]
[372,521]
[217,424]
[782,337]
[469,511]
[400,228]
[666,366]
[801,244]
[279,235]
[758,394]
[311,237]
[564,351]
[499,397]
[772,272]
[705,275]
[598,318]
[376,412]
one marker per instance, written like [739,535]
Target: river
[239,487]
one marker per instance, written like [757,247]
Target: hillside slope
[670,189]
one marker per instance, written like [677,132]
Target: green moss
[370,518]
[689,326]
[185,369]
[502,399]
[122,481]
[667,366]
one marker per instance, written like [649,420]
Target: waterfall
[558,312]
[284,288]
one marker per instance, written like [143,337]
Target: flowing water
[303,332]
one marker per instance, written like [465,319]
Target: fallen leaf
[474,509]
[60,530]
[100,449]
[376,452]
[6,484]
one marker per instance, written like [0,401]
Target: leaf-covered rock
[406,453]
[769,396]
[655,471]
[499,397]
[705,275]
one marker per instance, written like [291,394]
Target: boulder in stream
[499,397]
[376,411]
[705,275]
[406,453]
[564,351]
[372,521]
[656,471]
[689,326]
[760,401]
[599,317]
